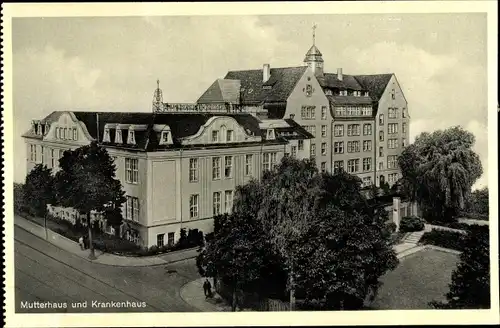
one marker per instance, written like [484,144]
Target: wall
[297,99]
[386,102]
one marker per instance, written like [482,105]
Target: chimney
[266,72]
[339,74]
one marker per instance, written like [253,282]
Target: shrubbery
[411,224]
[453,225]
[444,238]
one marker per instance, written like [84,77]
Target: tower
[314,58]
[158,98]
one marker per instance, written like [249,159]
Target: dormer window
[229,135]
[166,137]
[292,116]
[47,126]
[328,92]
[107,137]
[343,93]
[366,93]
[215,136]
[118,136]
[270,134]
[39,128]
[75,134]
[131,137]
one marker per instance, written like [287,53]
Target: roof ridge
[260,69]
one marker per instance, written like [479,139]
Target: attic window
[106,137]
[270,134]
[328,92]
[118,136]
[343,93]
[131,137]
[165,138]
[47,127]
[366,93]
[39,129]
[393,94]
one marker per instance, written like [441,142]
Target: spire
[157,98]
[314,58]
[314,34]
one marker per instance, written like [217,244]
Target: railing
[198,108]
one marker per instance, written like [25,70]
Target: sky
[112,63]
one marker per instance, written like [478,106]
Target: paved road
[46,273]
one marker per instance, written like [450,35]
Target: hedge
[443,238]
[411,224]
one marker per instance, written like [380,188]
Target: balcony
[201,108]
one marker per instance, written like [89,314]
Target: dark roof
[349,100]
[348,82]
[294,126]
[375,84]
[181,125]
[279,86]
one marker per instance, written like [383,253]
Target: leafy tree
[38,191]
[114,217]
[479,202]
[86,182]
[439,170]
[470,286]
[19,201]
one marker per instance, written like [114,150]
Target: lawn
[420,278]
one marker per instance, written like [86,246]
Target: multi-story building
[360,123]
[178,170]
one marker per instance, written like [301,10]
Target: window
[404,127]
[228,166]
[75,134]
[66,134]
[56,133]
[366,111]
[381,151]
[323,131]
[294,151]
[53,157]
[301,144]
[216,203]
[367,164]
[274,161]
[381,165]
[309,90]
[323,167]
[392,177]
[367,129]
[160,239]
[215,168]
[132,208]
[392,128]
[228,200]
[165,137]
[338,147]
[338,166]
[313,150]
[392,143]
[193,169]
[266,161]
[353,146]
[311,129]
[323,112]
[339,111]
[403,142]
[393,94]
[328,92]
[106,137]
[367,181]
[42,151]
[33,153]
[61,153]
[270,134]
[381,119]
[323,148]
[367,145]
[118,136]
[248,165]
[215,136]
[403,112]
[131,170]
[353,130]
[308,112]
[353,165]
[392,161]
[193,206]
[132,235]
[229,135]
[338,130]
[170,238]
[393,113]
[381,135]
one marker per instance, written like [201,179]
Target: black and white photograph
[302,161]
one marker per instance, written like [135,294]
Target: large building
[178,170]
[360,122]
[180,164]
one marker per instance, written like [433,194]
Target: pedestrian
[207,287]
[80,242]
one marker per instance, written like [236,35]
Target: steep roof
[226,91]
[375,84]
[277,89]
[330,80]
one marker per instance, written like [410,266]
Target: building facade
[360,123]
[178,170]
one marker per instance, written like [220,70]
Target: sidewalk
[102,258]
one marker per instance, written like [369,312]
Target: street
[46,273]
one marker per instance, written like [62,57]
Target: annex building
[180,163]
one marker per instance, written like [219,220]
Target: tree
[439,170]
[38,191]
[479,202]
[86,182]
[114,217]
[470,286]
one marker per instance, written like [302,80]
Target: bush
[443,238]
[411,224]
[475,216]
[114,245]
[453,225]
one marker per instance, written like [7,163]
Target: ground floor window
[132,235]
[170,238]
[160,239]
